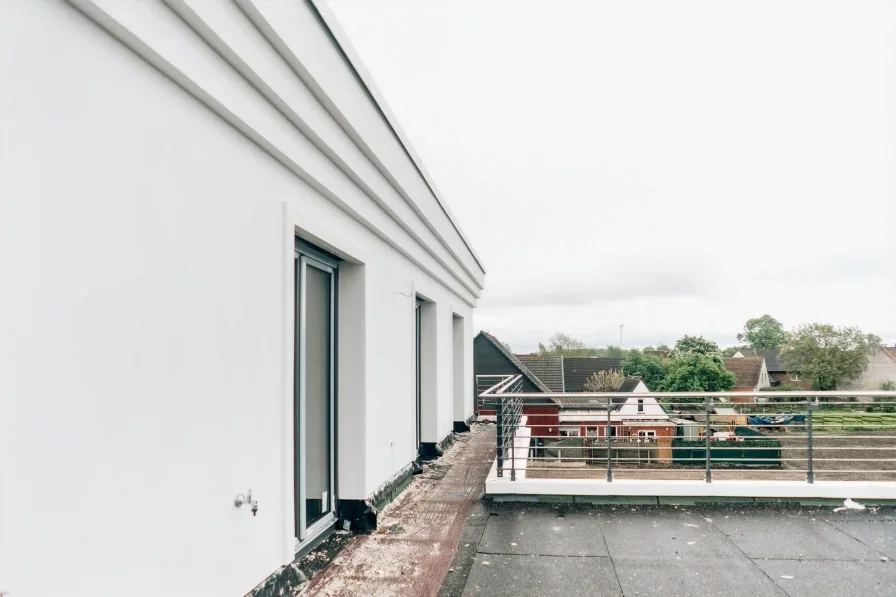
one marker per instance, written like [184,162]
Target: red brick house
[778,373]
[751,375]
[637,416]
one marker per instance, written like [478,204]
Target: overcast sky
[678,167]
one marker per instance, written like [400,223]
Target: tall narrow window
[458,382]
[640,405]
[418,340]
[313,402]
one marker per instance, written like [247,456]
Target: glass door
[313,402]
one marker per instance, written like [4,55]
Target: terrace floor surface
[732,550]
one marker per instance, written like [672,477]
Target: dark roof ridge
[516,363]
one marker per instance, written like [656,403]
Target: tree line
[823,354]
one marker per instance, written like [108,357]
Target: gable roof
[746,369]
[772,359]
[630,384]
[549,369]
[577,370]
[515,362]
[890,351]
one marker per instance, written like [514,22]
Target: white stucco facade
[881,368]
[158,161]
[764,380]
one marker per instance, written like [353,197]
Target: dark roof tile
[549,369]
[772,359]
[516,362]
[577,370]
[630,384]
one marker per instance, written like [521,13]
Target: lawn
[853,420]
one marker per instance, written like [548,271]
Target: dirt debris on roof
[417,534]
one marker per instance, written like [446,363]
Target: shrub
[604,381]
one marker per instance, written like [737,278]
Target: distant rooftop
[577,370]
[746,369]
[772,359]
[547,368]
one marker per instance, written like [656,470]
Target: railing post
[810,471]
[609,443]
[513,430]
[499,419]
[708,440]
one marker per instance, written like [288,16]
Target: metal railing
[498,400]
[807,435]
[486,388]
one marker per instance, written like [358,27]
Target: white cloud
[678,166]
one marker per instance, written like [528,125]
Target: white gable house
[641,404]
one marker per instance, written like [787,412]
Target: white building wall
[881,367]
[764,380]
[145,329]
[651,406]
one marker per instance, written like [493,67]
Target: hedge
[693,453]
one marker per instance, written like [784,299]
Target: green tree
[561,344]
[615,351]
[763,333]
[648,367]
[730,350]
[662,347]
[604,381]
[696,344]
[696,372]
[826,355]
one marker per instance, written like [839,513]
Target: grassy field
[853,420]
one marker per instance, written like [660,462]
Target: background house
[638,405]
[577,370]
[548,368]
[778,373]
[571,415]
[491,357]
[639,414]
[568,374]
[881,368]
[751,374]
